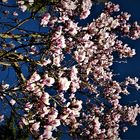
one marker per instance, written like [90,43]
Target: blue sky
[132,67]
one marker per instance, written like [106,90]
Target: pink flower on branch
[74,85]
[64,83]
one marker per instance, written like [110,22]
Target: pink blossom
[110,7]
[56,60]
[125,129]
[64,83]
[74,72]
[45,19]
[80,55]
[4,1]
[1,118]
[35,126]
[24,121]
[20,2]
[15,13]
[35,77]
[75,85]
[47,134]
[12,102]
[68,4]
[86,6]
[46,62]
[115,23]
[33,50]
[31,87]
[23,8]
[45,98]
[72,27]
[84,14]
[28,106]
[31,2]
[48,81]
[5,86]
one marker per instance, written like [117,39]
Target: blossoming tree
[63,80]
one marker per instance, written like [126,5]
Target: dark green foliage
[11,131]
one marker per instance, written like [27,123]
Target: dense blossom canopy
[69,84]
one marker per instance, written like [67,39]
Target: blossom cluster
[74,86]
[92,49]
[23,4]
